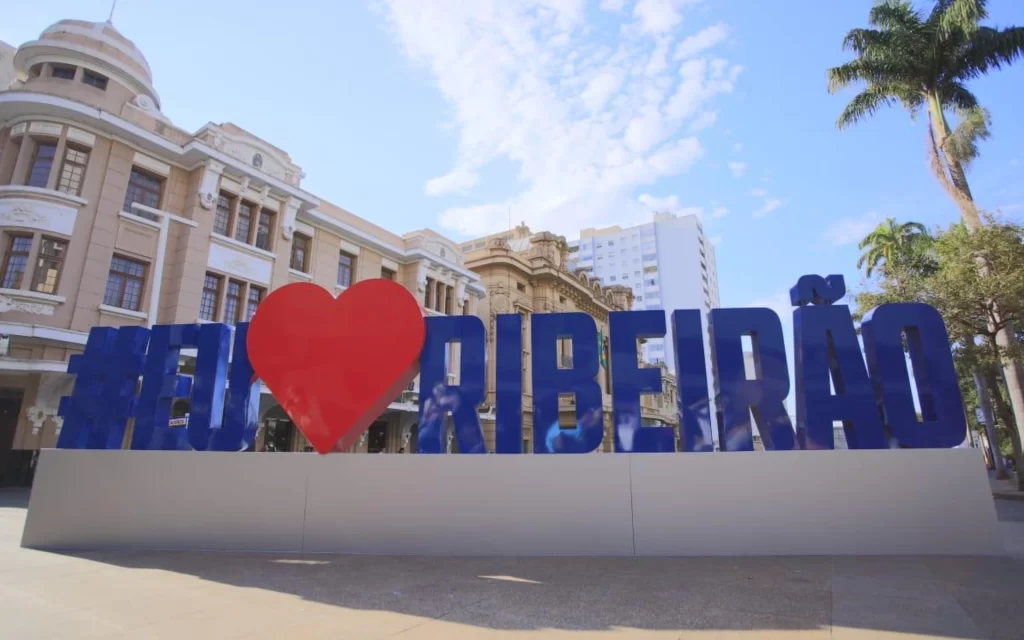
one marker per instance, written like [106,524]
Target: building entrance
[15,466]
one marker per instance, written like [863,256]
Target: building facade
[527,273]
[111,215]
[668,263]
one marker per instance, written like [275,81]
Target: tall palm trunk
[992,381]
[956,184]
[990,425]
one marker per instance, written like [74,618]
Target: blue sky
[416,113]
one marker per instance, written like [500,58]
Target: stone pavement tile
[722,623]
[25,616]
[999,574]
[939,616]
[810,602]
[1000,615]
[444,630]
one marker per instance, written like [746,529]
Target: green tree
[976,306]
[923,61]
[891,242]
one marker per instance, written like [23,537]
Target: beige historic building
[111,215]
[528,273]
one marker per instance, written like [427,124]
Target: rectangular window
[222,218]
[94,79]
[612,278]
[300,252]
[49,265]
[232,302]
[211,296]
[255,298]
[346,267]
[144,188]
[16,261]
[63,71]
[266,222]
[125,283]
[244,223]
[42,162]
[73,169]
[387,274]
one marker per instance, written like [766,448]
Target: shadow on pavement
[959,597]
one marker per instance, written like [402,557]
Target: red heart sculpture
[335,364]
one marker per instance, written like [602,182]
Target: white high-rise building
[669,263]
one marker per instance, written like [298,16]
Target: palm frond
[986,50]
[872,72]
[863,105]
[861,41]
[959,97]
[962,144]
[950,16]
[894,14]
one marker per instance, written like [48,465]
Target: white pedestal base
[926,502]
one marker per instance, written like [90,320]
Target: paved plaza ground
[244,595]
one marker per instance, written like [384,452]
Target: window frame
[229,222]
[238,301]
[55,67]
[268,215]
[97,81]
[219,288]
[127,204]
[248,218]
[39,144]
[69,148]
[301,242]
[41,256]
[388,274]
[351,268]
[127,277]
[12,239]
[250,308]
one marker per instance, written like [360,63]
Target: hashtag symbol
[106,377]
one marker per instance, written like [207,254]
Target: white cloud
[716,240]
[704,120]
[702,40]
[612,5]
[737,147]
[718,212]
[770,204]
[657,16]
[759,193]
[654,203]
[458,180]
[586,122]
[738,168]
[850,230]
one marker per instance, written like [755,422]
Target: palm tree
[923,62]
[892,242]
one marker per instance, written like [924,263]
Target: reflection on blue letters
[943,423]
[508,436]
[437,398]
[826,345]
[106,375]
[549,380]
[161,385]
[694,405]
[739,397]
[629,381]
[242,414]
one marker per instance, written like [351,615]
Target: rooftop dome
[97,44]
